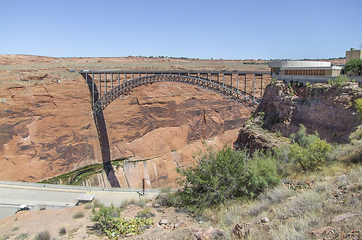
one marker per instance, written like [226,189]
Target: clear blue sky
[227,29]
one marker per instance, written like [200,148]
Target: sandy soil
[27,224]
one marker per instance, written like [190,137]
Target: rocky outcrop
[326,109]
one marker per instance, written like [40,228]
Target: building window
[316,72]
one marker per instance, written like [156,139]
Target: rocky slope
[326,109]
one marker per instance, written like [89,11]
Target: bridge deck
[182,72]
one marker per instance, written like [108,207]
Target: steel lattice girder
[226,90]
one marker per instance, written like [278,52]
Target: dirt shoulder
[27,224]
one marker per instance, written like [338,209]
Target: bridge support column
[237,84]
[254,91]
[231,80]
[105,83]
[261,87]
[223,80]
[100,86]
[93,89]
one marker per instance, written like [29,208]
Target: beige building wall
[352,54]
[329,72]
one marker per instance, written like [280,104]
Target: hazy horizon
[230,29]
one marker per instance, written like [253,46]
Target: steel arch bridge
[107,85]
[232,85]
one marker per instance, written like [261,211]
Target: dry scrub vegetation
[320,203]
[319,193]
[316,205]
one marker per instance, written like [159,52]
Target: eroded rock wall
[323,108]
[47,129]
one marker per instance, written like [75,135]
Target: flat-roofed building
[304,68]
[352,54]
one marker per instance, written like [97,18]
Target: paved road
[14,194]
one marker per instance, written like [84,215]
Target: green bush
[340,81]
[225,175]
[105,215]
[354,65]
[302,138]
[359,105]
[307,151]
[111,224]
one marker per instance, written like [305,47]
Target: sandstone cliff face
[322,108]
[161,126]
[47,127]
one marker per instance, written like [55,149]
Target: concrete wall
[352,54]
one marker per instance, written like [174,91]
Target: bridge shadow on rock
[100,123]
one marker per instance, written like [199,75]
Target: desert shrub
[276,195]
[21,236]
[145,213]
[78,215]
[125,203]
[302,138]
[45,235]
[359,105]
[141,202]
[340,81]
[308,151]
[284,163]
[62,231]
[258,207]
[261,173]
[111,224]
[96,203]
[308,201]
[356,135]
[105,214]
[166,198]
[224,175]
[88,206]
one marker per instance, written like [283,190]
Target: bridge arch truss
[245,88]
